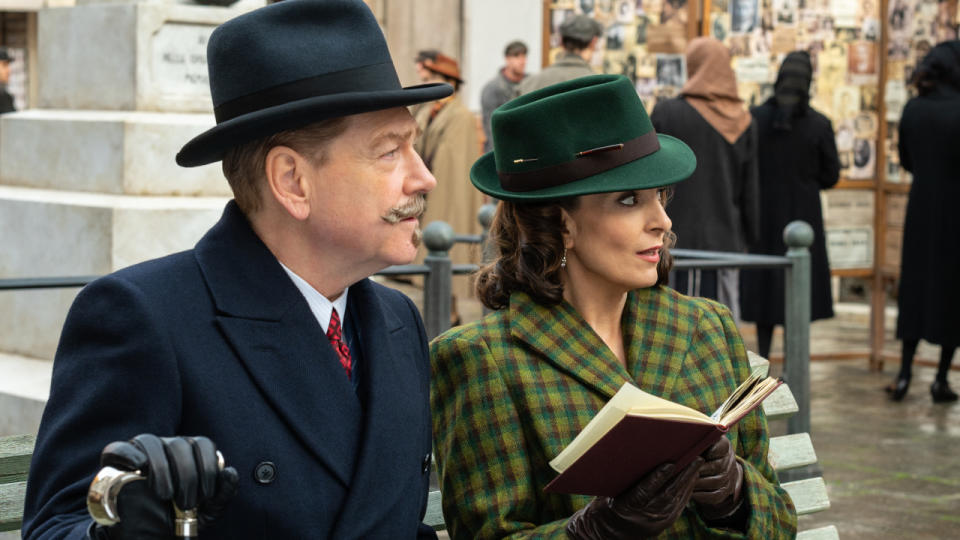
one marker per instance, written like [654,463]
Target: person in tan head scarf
[717,208]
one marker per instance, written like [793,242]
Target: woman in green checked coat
[582,240]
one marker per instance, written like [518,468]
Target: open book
[636,431]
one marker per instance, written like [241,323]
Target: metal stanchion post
[438,237]
[798,235]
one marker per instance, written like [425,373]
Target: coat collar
[656,334]
[561,335]
[571,59]
[270,327]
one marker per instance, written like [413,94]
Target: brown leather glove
[646,509]
[717,491]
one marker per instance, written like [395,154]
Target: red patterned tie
[335,335]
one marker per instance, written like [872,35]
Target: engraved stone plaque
[178,54]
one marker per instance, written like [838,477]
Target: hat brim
[672,163]
[211,145]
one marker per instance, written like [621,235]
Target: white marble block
[127,56]
[105,151]
[55,233]
[24,389]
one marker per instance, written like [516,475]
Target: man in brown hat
[6,100]
[579,35]
[449,145]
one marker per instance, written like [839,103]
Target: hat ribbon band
[373,77]
[588,164]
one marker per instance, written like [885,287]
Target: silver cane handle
[103,492]
[106,486]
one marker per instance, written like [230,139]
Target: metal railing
[798,235]
[438,271]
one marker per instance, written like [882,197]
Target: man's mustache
[414,208]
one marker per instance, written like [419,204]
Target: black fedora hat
[294,63]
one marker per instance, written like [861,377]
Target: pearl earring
[563,260]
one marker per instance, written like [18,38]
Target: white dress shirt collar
[319,305]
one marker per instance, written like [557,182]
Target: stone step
[24,389]
[49,233]
[105,152]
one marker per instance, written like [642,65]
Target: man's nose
[419,178]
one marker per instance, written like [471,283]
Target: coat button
[265,472]
[426,464]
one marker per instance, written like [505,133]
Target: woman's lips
[650,255]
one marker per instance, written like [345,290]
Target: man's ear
[286,175]
[568,229]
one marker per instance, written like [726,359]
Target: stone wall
[88,181]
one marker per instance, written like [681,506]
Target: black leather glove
[646,509]
[183,470]
[717,491]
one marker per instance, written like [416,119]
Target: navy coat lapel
[396,403]
[270,327]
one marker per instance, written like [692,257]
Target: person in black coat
[797,158]
[930,266]
[717,207]
[266,341]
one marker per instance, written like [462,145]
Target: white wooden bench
[786,452]
[15,453]
[792,452]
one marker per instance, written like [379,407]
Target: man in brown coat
[449,145]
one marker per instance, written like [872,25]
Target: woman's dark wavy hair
[528,244]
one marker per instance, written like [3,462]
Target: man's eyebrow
[397,136]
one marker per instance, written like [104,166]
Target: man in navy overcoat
[266,342]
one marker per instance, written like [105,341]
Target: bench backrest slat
[809,495]
[791,451]
[823,533]
[15,454]
[11,505]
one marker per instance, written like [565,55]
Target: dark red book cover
[630,450]
[638,444]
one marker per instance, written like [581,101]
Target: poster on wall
[671,70]
[645,40]
[850,247]
[848,224]
[642,39]
[847,207]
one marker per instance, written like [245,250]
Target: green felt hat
[587,135]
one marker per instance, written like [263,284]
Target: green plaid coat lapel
[561,336]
